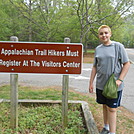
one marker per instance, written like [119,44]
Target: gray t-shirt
[104,61]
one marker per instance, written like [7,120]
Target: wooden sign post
[65,85]
[14,95]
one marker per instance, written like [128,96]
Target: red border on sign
[40,57]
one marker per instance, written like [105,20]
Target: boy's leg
[113,104]
[105,115]
[102,100]
[105,129]
[112,119]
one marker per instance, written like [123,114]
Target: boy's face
[104,36]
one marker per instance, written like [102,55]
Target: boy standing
[103,67]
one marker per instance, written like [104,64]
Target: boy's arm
[93,74]
[123,73]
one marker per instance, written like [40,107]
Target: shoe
[104,131]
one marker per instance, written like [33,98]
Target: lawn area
[48,118]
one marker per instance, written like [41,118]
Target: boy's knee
[104,106]
[112,109]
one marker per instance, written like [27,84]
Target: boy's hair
[104,26]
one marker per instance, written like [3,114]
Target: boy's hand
[91,88]
[118,82]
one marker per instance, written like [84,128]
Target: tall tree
[93,13]
[44,18]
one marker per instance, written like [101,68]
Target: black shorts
[112,103]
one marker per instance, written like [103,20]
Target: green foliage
[54,20]
[43,119]
[128,33]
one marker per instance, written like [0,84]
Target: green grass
[35,119]
[90,50]
[42,94]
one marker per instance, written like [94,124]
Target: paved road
[77,82]
[130,54]
[128,94]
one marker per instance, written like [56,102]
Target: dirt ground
[88,58]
